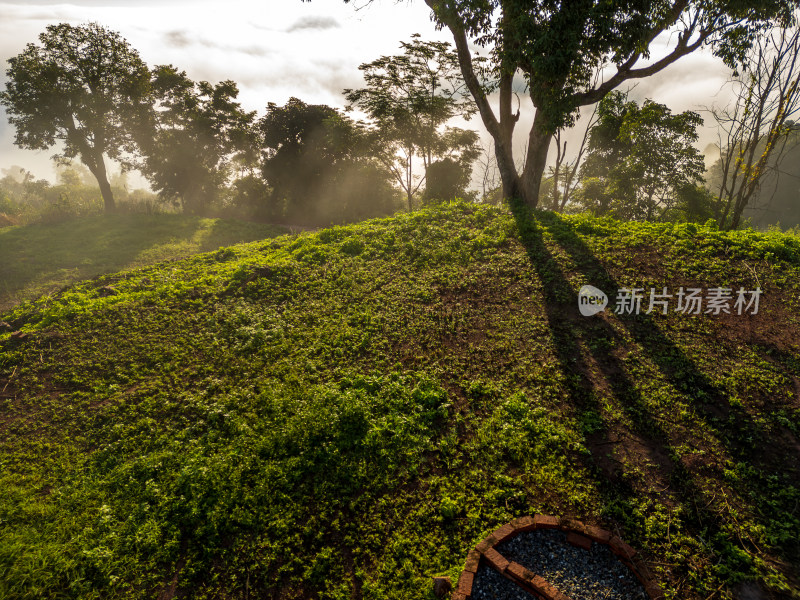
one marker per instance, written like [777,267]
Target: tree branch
[625,71]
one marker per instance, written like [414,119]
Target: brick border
[578,534]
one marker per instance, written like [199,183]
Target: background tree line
[85,90]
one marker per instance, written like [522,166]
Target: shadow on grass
[588,366]
[43,258]
[730,423]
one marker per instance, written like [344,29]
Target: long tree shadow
[598,366]
[731,423]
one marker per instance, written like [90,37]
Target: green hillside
[342,414]
[42,258]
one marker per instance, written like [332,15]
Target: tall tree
[83,86]
[642,156]
[409,98]
[198,131]
[755,128]
[559,46]
[320,166]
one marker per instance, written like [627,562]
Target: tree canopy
[320,166]
[197,131]
[409,98]
[563,51]
[83,86]
[639,158]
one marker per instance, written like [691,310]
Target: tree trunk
[409,192]
[538,147]
[568,178]
[108,197]
[97,166]
[738,209]
[523,189]
[512,188]
[502,130]
[735,222]
[557,170]
[650,207]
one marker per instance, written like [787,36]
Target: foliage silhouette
[83,86]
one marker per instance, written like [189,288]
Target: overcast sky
[275,49]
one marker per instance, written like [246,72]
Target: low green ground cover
[343,414]
[43,258]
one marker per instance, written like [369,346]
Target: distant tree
[247,196]
[23,188]
[641,156]
[76,174]
[119,180]
[83,86]
[409,98]
[755,128]
[70,178]
[297,156]
[447,179]
[14,173]
[777,201]
[196,132]
[695,204]
[593,195]
[7,205]
[320,165]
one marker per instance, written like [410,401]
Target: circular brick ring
[578,534]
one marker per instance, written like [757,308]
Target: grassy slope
[342,414]
[41,259]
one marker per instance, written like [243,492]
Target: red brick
[627,563]
[598,535]
[465,583]
[539,584]
[578,540]
[519,573]
[473,561]
[528,588]
[546,522]
[523,524]
[654,591]
[621,549]
[503,533]
[496,560]
[485,544]
[458,596]
[543,587]
[642,573]
[571,525]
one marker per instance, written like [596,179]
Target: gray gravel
[490,585]
[595,574]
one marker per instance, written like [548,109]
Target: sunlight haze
[310,50]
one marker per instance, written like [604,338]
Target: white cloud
[313,23]
[275,50]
